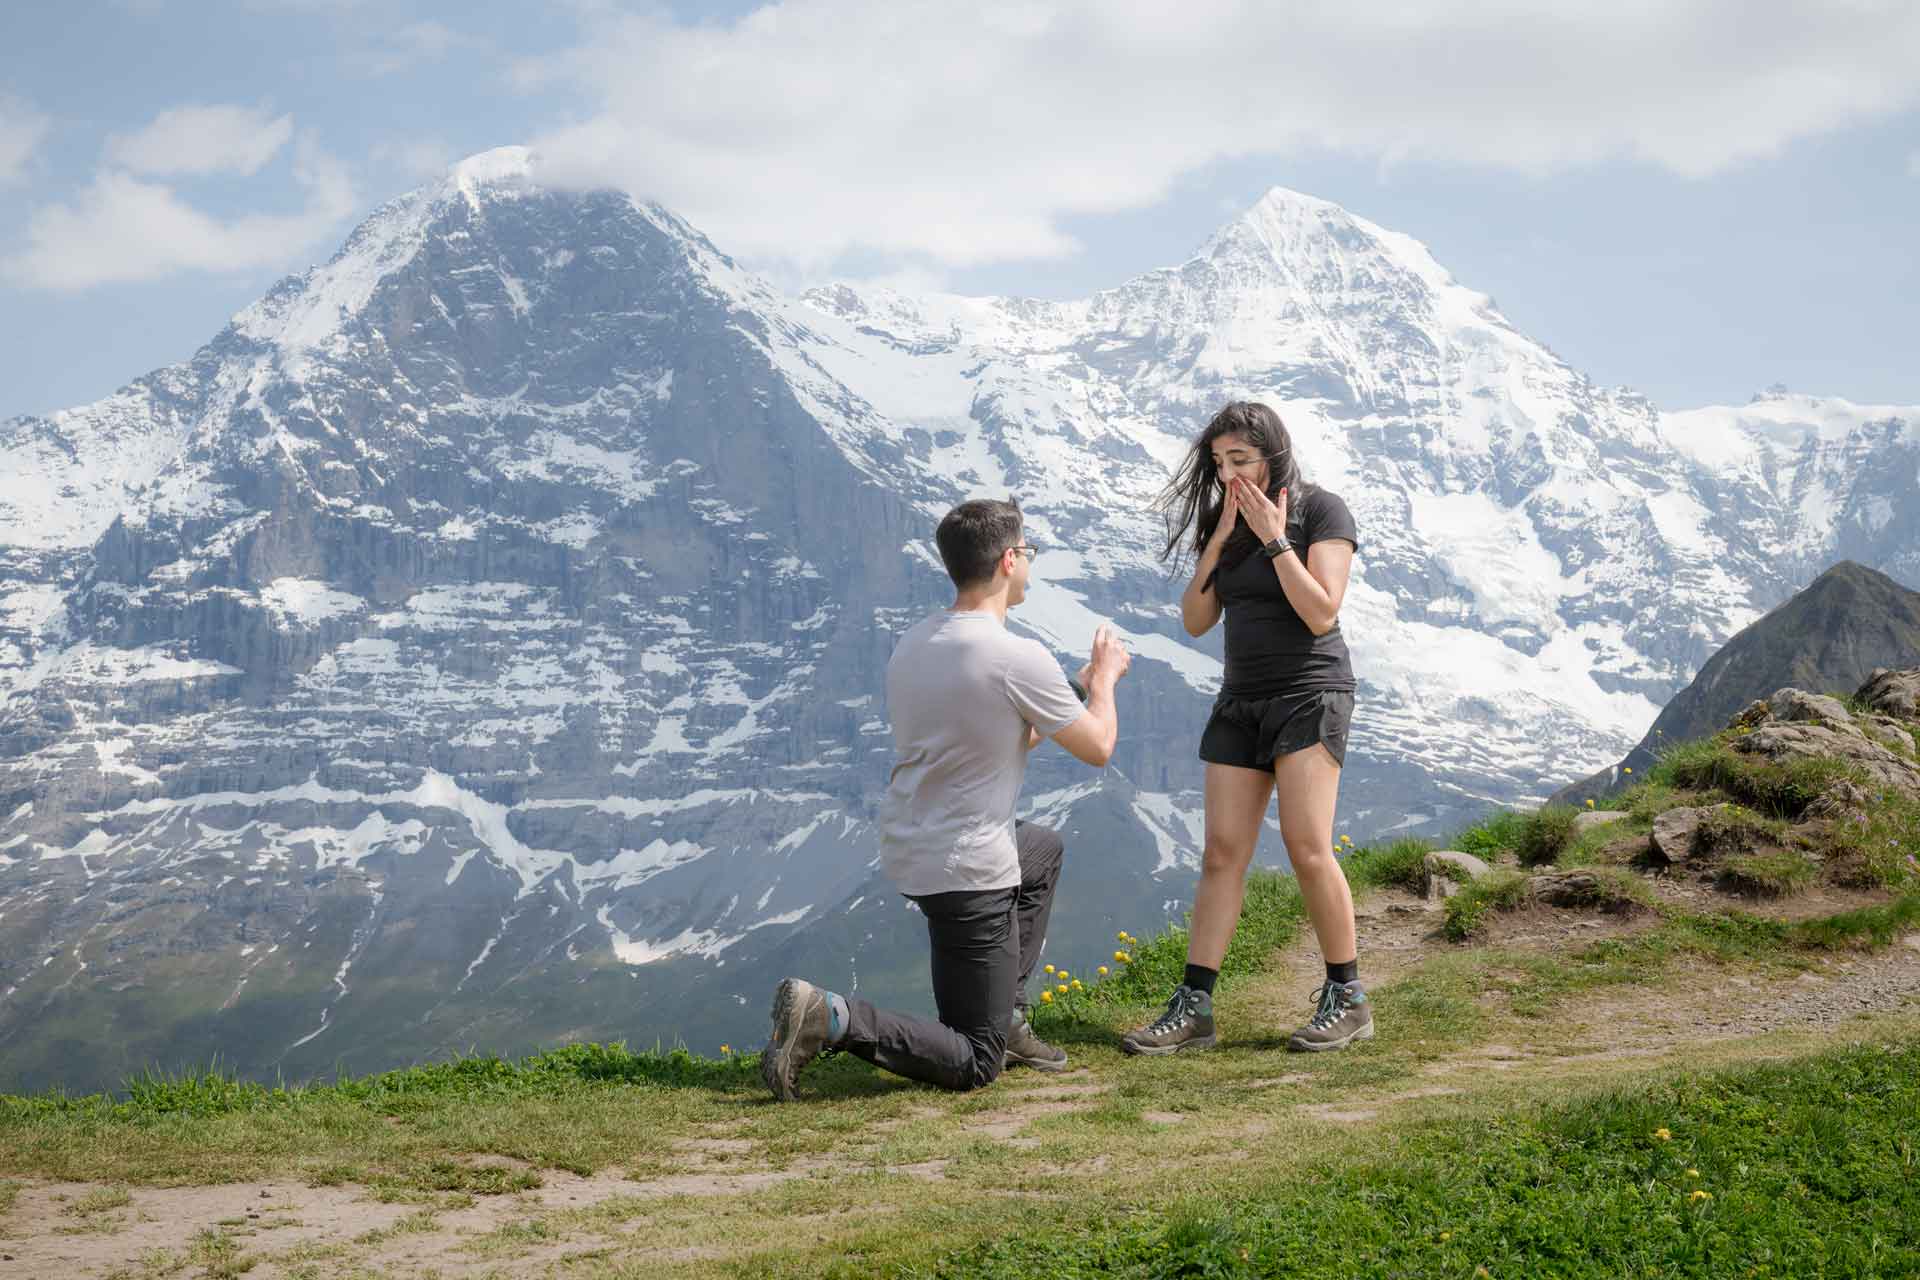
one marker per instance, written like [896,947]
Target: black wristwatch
[1273,550]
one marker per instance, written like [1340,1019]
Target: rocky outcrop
[1892,693]
[1795,724]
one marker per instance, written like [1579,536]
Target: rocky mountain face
[1848,623]
[478,643]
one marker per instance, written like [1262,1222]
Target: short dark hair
[974,535]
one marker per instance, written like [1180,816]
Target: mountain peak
[502,166]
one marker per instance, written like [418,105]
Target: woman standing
[1274,556]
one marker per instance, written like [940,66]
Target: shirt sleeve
[1039,690]
[1327,517]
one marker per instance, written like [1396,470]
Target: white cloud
[201,140]
[968,133]
[415,43]
[414,157]
[21,129]
[122,229]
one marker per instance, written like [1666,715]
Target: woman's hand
[1266,518]
[1229,514]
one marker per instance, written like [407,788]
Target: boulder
[1892,693]
[1597,818]
[1754,716]
[1673,832]
[1797,705]
[1843,801]
[1445,870]
[1577,889]
[1781,742]
[1887,730]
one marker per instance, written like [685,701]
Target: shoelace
[1332,1006]
[1174,1014]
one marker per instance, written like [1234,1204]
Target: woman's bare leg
[1308,785]
[1236,804]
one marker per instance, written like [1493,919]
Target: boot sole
[1327,1046]
[787,1014]
[1195,1045]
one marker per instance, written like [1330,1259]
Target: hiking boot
[1342,1014]
[1186,1023]
[1025,1049]
[800,1022]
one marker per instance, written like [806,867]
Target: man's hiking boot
[1185,1024]
[1342,1014]
[1025,1049]
[800,1022]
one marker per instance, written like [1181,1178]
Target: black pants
[985,946]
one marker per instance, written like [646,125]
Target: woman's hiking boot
[1342,1014]
[1185,1024]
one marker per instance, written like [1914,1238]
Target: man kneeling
[967,700]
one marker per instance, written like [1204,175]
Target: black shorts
[1251,733]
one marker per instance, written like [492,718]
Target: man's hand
[1110,658]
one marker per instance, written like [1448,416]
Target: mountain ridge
[496,657]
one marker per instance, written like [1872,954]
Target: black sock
[1201,978]
[1344,973]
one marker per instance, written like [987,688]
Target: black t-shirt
[1270,651]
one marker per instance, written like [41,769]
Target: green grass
[1499,890]
[1778,790]
[1876,926]
[1142,973]
[1807,1168]
[1544,834]
[1493,835]
[1398,864]
[1769,873]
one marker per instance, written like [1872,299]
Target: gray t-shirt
[961,691]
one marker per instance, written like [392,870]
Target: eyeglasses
[1027,549]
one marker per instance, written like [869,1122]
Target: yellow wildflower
[1693,1173]
[726,1048]
[1628,769]
[1123,957]
[1664,1134]
[1046,997]
[1048,969]
[1697,1196]
[1445,1236]
[1103,971]
[1589,804]
[1077,986]
[1064,974]
[1120,936]
[1063,988]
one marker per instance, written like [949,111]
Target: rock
[1892,693]
[1887,730]
[1797,705]
[1842,801]
[1577,889]
[1779,742]
[1446,870]
[1755,715]
[1673,835]
[1597,818]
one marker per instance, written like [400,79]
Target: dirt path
[72,1231]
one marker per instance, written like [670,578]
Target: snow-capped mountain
[478,641]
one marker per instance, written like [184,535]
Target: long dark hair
[1194,498]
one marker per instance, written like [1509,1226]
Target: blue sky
[1693,199]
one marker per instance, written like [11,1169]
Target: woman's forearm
[1303,591]
[1200,603]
